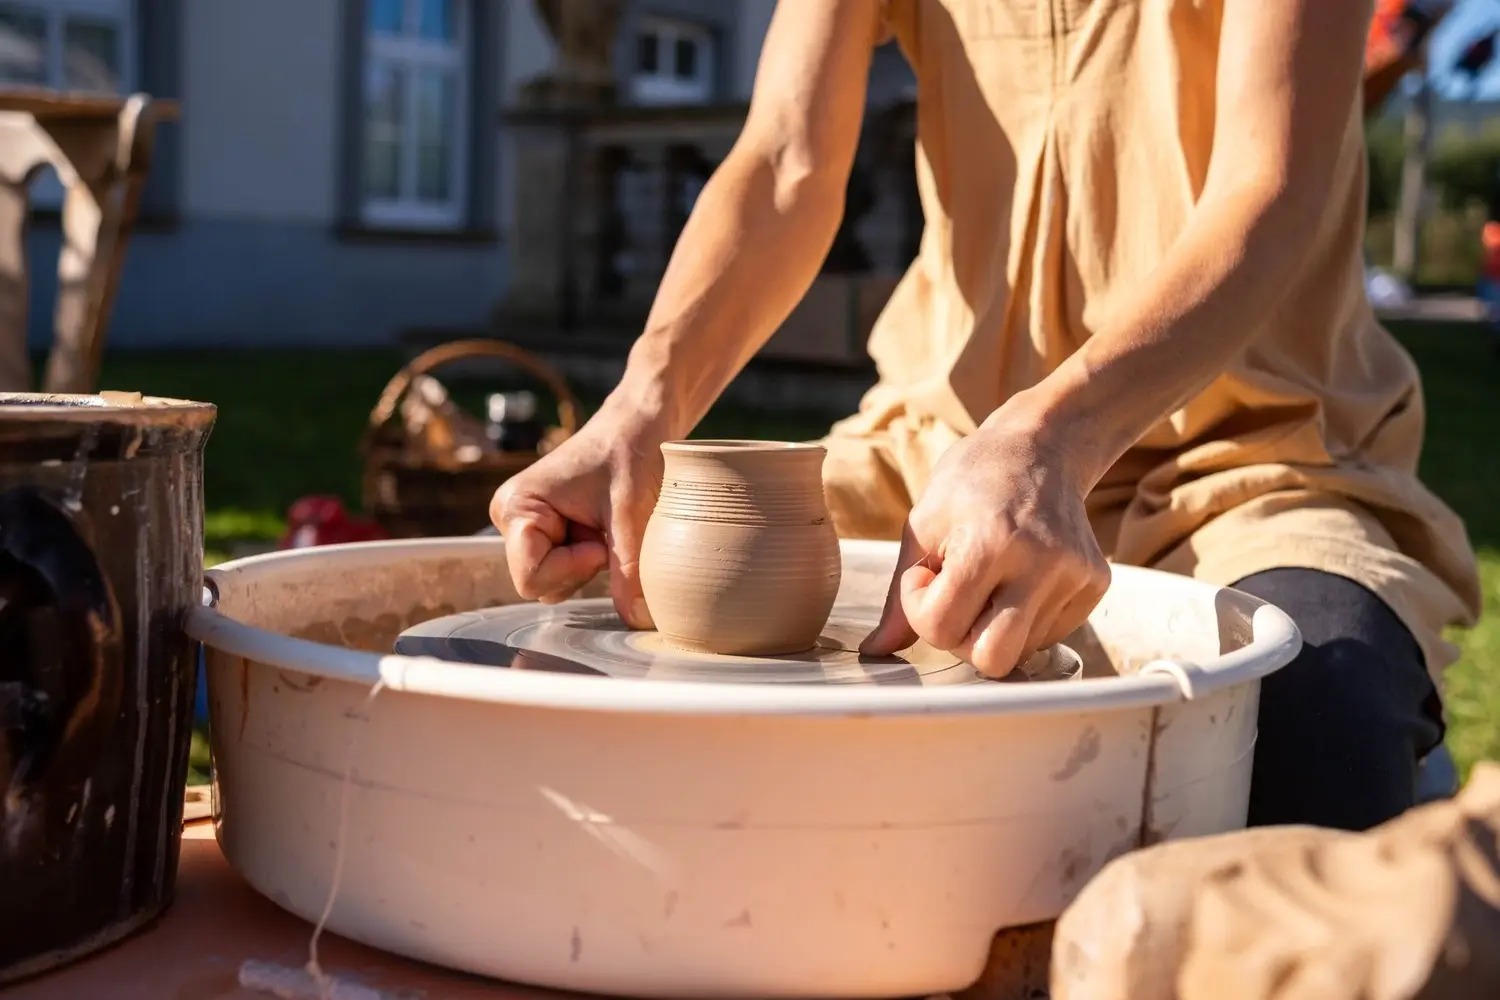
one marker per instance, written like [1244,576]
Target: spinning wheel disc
[587,637]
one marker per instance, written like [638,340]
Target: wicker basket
[414,491]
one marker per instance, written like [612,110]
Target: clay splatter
[743,920]
[1084,752]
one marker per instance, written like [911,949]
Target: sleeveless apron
[1062,145]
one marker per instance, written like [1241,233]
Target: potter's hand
[998,558]
[581,509]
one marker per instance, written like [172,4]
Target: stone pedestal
[601,196]
[538,244]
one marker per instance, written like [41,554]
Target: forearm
[1170,336]
[751,248]
[1286,88]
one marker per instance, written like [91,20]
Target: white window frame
[120,12]
[47,189]
[412,53]
[664,87]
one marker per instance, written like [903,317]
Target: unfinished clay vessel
[740,556]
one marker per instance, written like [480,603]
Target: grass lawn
[290,421]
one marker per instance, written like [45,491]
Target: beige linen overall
[1062,146]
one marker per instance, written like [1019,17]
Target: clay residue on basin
[373,609]
[371,635]
[360,610]
[366,634]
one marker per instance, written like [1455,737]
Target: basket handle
[436,357]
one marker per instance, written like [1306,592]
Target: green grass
[199,768]
[290,423]
[1461,375]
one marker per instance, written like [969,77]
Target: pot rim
[740,446]
[92,407]
[1275,642]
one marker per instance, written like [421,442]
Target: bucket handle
[1274,642]
[210,592]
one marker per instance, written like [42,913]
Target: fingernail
[640,615]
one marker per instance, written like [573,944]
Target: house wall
[528,51]
[754,19]
[255,257]
[254,254]
[261,119]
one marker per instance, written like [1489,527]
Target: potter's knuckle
[981,649]
[947,632]
[922,621]
[986,661]
[504,497]
[987,650]
[958,545]
[963,563]
[1005,525]
[920,528]
[1071,566]
[991,540]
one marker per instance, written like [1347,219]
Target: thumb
[894,631]
[626,534]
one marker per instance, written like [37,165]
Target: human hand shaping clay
[998,558]
[583,508]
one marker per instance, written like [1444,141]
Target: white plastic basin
[666,839]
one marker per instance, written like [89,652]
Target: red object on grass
[323,520]
[1490,237]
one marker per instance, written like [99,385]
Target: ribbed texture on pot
[735,503]
[777,485]
[739,555]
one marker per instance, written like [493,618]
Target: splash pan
[744,837]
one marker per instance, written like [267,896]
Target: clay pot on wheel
[740,556]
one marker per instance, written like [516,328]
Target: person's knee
[1343,725]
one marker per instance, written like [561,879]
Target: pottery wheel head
[587,637]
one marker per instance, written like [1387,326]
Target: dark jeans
[1343,726]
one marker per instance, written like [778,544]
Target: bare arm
[764,222]
[1286,85]
[998,556]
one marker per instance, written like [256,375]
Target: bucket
[101,547]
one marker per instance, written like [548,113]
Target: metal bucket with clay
[658,832]
[101,555]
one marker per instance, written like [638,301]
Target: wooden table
[100,147]
[214,926]
[217,923]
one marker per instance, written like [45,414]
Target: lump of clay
[1407,911]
